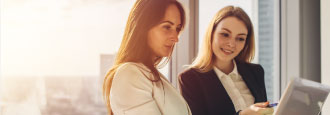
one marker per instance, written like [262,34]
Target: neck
[154,59]
[225,66]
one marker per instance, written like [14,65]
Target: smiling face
[229,39]
[163,36]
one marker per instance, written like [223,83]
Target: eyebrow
[231,32]
[169,22]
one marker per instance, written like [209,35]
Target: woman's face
[162,37]
[229,39]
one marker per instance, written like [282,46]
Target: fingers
[263,104]
[258,109]
[263,109]
[266,110]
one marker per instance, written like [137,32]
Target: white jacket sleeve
[131,92]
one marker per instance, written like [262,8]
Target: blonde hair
[205,58]
[144,15]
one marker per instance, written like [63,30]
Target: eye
[224,34]
[241,39]
[178,29]
[167,27]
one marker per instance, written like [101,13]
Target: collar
[220,74]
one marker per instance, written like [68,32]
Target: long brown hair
[205,58]
[144,15]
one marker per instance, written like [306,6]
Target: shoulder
[131,90]
[251,70]
[251,66]
[131,72]
[189,74]
[132,67]
[256,67]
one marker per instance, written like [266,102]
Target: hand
[258,109]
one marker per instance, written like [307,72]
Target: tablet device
[302,97]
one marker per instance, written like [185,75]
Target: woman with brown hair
[221,80]
[134,86]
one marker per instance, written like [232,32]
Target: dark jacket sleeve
[259,72]
[192,92]
[262,80]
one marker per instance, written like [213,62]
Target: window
[268,21]
[54,54]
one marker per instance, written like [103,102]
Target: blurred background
[54,53]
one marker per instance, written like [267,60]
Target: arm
[261,80]
[191,91]
[131,92]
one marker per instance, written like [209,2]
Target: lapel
[249,77]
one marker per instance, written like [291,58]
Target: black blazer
[206,95]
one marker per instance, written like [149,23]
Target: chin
[164,54]
[227,59]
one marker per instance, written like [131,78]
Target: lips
[170,46]
[227,52]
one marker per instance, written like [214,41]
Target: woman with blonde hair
[222,80]
[133,86]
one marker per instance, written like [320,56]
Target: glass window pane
[268,46]
[55,53]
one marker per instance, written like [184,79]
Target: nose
[174,37]
[231,43]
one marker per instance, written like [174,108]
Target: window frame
[188,40]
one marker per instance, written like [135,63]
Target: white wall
[325,47]
[300,40]
[290,41]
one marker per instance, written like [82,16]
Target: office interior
[54,54]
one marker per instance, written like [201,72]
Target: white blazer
[132,93]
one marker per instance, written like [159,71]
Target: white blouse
[132,93]
[236,88]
